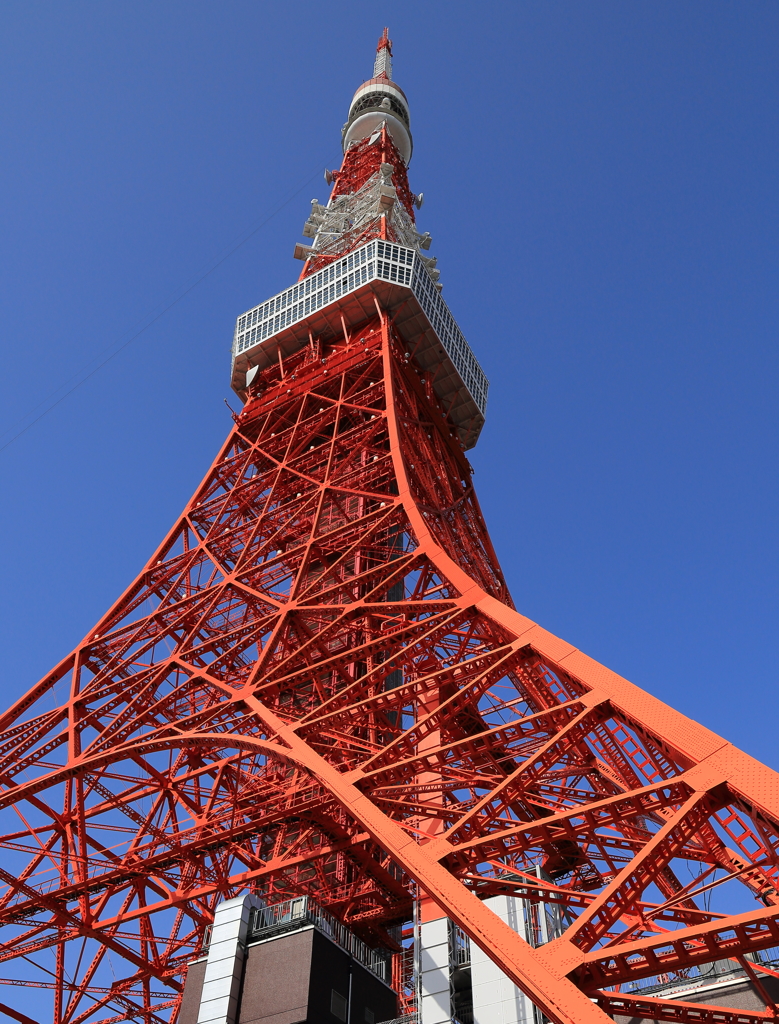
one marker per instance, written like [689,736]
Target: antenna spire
[382,67]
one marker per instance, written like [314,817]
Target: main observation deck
[399,280]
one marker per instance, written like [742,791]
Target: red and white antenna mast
[371,197]
[382,67]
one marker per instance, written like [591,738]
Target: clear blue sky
[601,186]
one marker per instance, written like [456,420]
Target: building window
[338,1005]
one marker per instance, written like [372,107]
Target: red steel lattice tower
[319,684]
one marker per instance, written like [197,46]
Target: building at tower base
[295,964]
[292,963]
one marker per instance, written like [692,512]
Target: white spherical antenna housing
[379,101]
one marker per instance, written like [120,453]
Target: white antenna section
[382,66]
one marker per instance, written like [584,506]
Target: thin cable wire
[151,319]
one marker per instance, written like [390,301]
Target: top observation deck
[399,279]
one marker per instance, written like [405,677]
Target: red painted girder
[677,1011]
[679,949]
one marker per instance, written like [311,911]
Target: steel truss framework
[365,204]
[319,684]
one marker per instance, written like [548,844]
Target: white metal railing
[460,947]
[376,260]
[302,910]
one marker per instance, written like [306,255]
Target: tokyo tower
[319,689]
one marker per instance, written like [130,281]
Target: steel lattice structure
[319,684]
